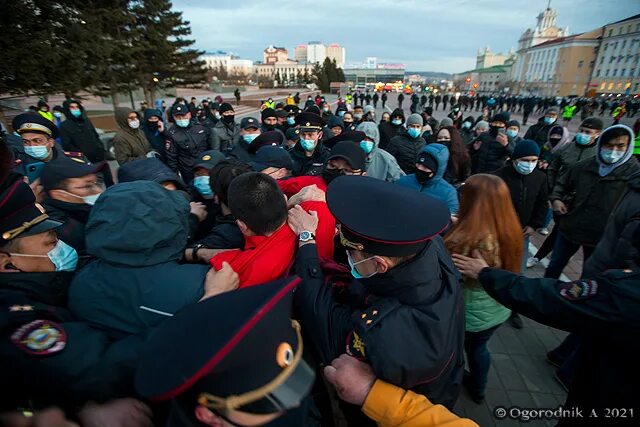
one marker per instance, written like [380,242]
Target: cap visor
[41,227]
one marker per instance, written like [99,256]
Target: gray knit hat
[446,122]
[414,119]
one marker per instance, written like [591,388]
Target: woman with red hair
[487,224]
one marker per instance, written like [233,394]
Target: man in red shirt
[260,209]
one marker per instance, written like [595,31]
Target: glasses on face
[34,141]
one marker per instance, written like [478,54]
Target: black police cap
[179,109]
[249,122]
[292,134]
[272,137]
[33,122]
[309,121]
[226,346]
[208,159]
[65,167]
[351,152]
[20,215]
[383,218]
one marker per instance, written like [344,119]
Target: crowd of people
[319,265]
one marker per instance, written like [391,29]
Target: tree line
[105,47]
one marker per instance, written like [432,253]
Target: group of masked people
[246,276]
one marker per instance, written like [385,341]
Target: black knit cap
[225,106]
[592,123]
[267,112]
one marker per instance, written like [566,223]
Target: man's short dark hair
[221,176]
[257,200]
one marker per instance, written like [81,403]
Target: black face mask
[329,175]
[229,118]
[269,127]
[554,141]
[424,177]
[152,125]
[493,130]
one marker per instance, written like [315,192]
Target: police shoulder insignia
[579,289]
[75,159]
[206,157]
[40,338]
[355,346]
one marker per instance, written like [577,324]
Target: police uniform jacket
[409,324]
[303,165]
[604,312]
[184,145]
[74,217]
[52,358]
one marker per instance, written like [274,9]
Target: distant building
[273,54]
[217,59]
[487,80]
[337,53]
[486,58]
[240,67]
[617,65]
[288,70]
[300,53]
[383,73]
[316,52]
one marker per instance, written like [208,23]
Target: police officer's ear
[243,228]
[206,417]
[6,266]
[383,264]
[50,143]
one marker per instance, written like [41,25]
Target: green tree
[163,54]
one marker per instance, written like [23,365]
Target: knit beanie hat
[525,148]
[414,119]
[592,123]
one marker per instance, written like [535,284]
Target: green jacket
[480,310]
[636,147]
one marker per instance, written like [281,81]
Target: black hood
[398,112]
[67,113]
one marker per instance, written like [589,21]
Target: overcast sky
[426,35]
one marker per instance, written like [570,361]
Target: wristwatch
[194,251]
[306,236]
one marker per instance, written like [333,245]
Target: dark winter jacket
[79,135]
[183,146]
[74,217]
[224,235]
[616,245]
[437,186]
[539,132]
[137,279]
[528,194]
[155,138]
[240,151]
[303,165]
[405,149]
[487,154]
[590,198]
[566,157]
[226,135]
[388,130]
[150,169]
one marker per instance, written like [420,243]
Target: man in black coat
[78,134]
[540,131]
[405,316]
[185,141]
[309,154]
[393,127]
[603,311]
[529,192]
[490,150]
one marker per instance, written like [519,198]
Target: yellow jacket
[392,406]
[290,100]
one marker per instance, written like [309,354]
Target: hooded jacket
[136,280]
[616,245]
[547,152]
[563,158]
[129,144]
[379,163]
[388,130]
[149,169]
[487,154]
[590,197]
[405,149]
[155,137]
[437,186]
[78,134]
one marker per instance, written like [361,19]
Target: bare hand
[36,188]
[199,210]
[528,231]
[307,194]
[116,413]
[559,207]
[299,220]
[454,219]
[351,378]
[50,417]
[470,267]
[542,165]
[502,139]
[160,126]
[221,281]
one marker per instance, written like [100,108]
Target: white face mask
[89,200]
[134,124]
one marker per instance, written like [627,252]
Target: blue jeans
[525,255]
[547,218]
[563,250]
[478,358]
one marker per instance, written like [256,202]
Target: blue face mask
[248,138]
[525,168]
[611,156]
[76,113]
[340,113]
[512,133]
[291,120]
[63,256]
[201,183]
[57,114]
[354,271]
[308,144]
[37,151]
[466,125]
[367,146]
[549,120]
[396,122]
[583,139]
[413,132]
[183,123]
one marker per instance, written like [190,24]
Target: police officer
[235,357]
[49,357]
[309,154]
[603,311]
[185,142]
[249,130]
[407,319]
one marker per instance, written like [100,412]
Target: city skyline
[445,40]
